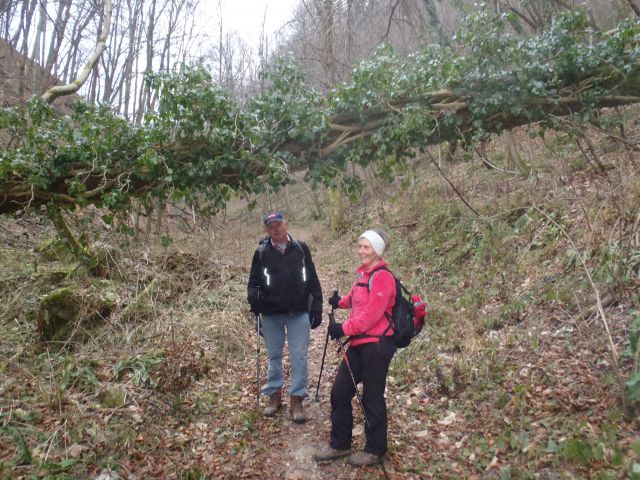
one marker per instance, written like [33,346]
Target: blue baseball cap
[273,217]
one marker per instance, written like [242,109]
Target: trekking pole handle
[331,315]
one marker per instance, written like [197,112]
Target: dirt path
[288,446]
[293,445]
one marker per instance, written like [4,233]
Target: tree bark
[36,52]
[635,6]
[514,160]
[325,13]
[144,100]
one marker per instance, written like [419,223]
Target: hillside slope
[514,376]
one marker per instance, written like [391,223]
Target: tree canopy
[200,145]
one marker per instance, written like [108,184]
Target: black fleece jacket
[284,288]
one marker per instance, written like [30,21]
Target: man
[284,288]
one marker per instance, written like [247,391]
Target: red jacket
[368,307]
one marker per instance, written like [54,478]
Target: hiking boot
[296,410]
[275,402]
[328,454]
[361,459]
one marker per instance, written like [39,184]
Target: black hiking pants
[369,364]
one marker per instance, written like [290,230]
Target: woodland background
[497,142]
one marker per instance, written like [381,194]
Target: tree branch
[61,90]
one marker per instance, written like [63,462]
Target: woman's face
[367,254]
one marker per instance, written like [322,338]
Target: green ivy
[202,146]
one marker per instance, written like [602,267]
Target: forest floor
[513,377]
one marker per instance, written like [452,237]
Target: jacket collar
[274,245]
[362,269]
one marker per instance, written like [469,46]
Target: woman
[370,352]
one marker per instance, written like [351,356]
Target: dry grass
[509,328]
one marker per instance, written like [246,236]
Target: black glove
[335,330]
[333,301]
[316,319]
[255,308]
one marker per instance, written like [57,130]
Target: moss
[112,397]
[54,272]
[57,314]
[62,311]
[53,249]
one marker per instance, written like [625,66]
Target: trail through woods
[462,403]
[282,448]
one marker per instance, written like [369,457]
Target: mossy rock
[112,397]
[70,313]
[54,272]
[53,249]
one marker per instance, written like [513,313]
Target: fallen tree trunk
[201,145]
[16,193]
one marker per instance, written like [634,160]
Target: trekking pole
[353,379]
[326,343]
[258,322]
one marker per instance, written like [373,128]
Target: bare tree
[57,34]
[144,100]
[61,35]
[57,91]
[38,44]
[4,5]
[325,11]
[84,14]
[135,33]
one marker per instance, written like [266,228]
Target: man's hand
[255,308]
[335,330]
[316,319]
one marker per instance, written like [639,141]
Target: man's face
[277,231]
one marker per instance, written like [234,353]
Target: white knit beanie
[375,240]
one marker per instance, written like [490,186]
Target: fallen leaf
[449,419]
[75,450]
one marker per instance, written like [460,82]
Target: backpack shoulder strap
[298,245]
[262,246]
[374,272]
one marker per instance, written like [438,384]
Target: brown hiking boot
[361,459]
[328,454]
[296,410]
[275,402]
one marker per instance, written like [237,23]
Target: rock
[53,249]
[107,474]
[112,397]
[70,313]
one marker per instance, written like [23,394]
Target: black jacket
[284,287]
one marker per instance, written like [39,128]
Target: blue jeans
[297,330]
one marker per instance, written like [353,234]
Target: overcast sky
[246,17]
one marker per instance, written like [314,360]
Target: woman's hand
[335,330]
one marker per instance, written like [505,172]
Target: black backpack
[402,320]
